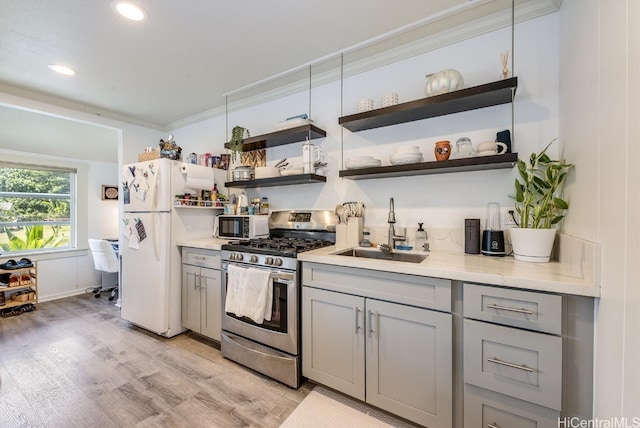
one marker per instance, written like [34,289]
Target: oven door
[282,331]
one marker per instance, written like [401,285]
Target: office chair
[105,260]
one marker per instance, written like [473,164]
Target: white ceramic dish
[487,153]
[291,171]
[363,164]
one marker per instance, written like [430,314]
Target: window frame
[72,197]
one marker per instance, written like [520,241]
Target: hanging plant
[235,144]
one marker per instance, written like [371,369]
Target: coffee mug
[491,148]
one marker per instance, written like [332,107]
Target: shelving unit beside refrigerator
[23,287]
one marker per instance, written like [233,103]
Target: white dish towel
[235,279]
[249,293]
[257,294]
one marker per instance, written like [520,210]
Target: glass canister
[464,148]
[264,206]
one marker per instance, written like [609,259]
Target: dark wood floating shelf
[507,160]
[278,181]
[487,95]
[280,138]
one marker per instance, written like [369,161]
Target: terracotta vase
[442,150]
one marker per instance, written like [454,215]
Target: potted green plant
[538,205]
[235,143]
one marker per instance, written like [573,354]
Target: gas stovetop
[281,246]
[290,233]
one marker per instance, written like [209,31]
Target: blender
[493,235]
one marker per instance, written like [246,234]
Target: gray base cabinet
[392,355]
[201,292]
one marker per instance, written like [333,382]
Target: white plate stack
[365,104]
[362,162]
[390,99]
[406,155]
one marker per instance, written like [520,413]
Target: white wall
[600,115]
[67,273]
[440,201]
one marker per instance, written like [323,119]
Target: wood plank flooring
[75,363]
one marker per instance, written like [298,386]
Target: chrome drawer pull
[493,425]
[506,308]
[515,366]
[357,326]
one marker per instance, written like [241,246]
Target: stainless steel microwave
[241,226]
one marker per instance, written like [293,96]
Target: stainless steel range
[273,347]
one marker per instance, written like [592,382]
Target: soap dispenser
[421,239]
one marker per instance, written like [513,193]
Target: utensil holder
[349,234]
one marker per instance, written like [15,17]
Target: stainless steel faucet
[393,238]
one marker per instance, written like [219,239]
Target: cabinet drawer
[420,291]
[518,363]
[487,409]
[204,258]
[517,308]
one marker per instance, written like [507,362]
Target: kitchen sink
[379,255]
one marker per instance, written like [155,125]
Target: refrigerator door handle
[154,204]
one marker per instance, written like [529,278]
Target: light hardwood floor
[75,363]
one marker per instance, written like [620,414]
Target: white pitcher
[310,155]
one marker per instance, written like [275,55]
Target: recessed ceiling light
[128,10]
[62,69]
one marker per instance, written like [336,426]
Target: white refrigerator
[150,288]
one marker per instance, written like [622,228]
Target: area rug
[326,408]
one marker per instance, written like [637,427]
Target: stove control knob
[232,256]
[277,262]
[239,257]
[269,260]
[253,259]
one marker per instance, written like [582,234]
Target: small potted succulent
[538,205]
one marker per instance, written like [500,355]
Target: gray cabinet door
[211,306]
[333,340]
[191,297]
[409,362]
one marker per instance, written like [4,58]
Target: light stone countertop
[577,273]
[558,277]
[209,243]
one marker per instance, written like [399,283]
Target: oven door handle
[283,277]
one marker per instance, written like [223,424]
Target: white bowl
[266,172]
[400,159]
[408,149]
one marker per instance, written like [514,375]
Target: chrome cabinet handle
[371,330]
[357,326]
[493,425]
[506,308]
[508,364]
[196,281]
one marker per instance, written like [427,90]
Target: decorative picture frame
[110,193]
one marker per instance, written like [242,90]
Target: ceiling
[179,63]
[187,54]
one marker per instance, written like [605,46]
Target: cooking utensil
[280,164]
[340,213]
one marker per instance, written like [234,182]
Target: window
[37,207]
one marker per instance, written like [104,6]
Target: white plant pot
[532,245]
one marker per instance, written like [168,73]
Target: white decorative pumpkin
[442,82]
